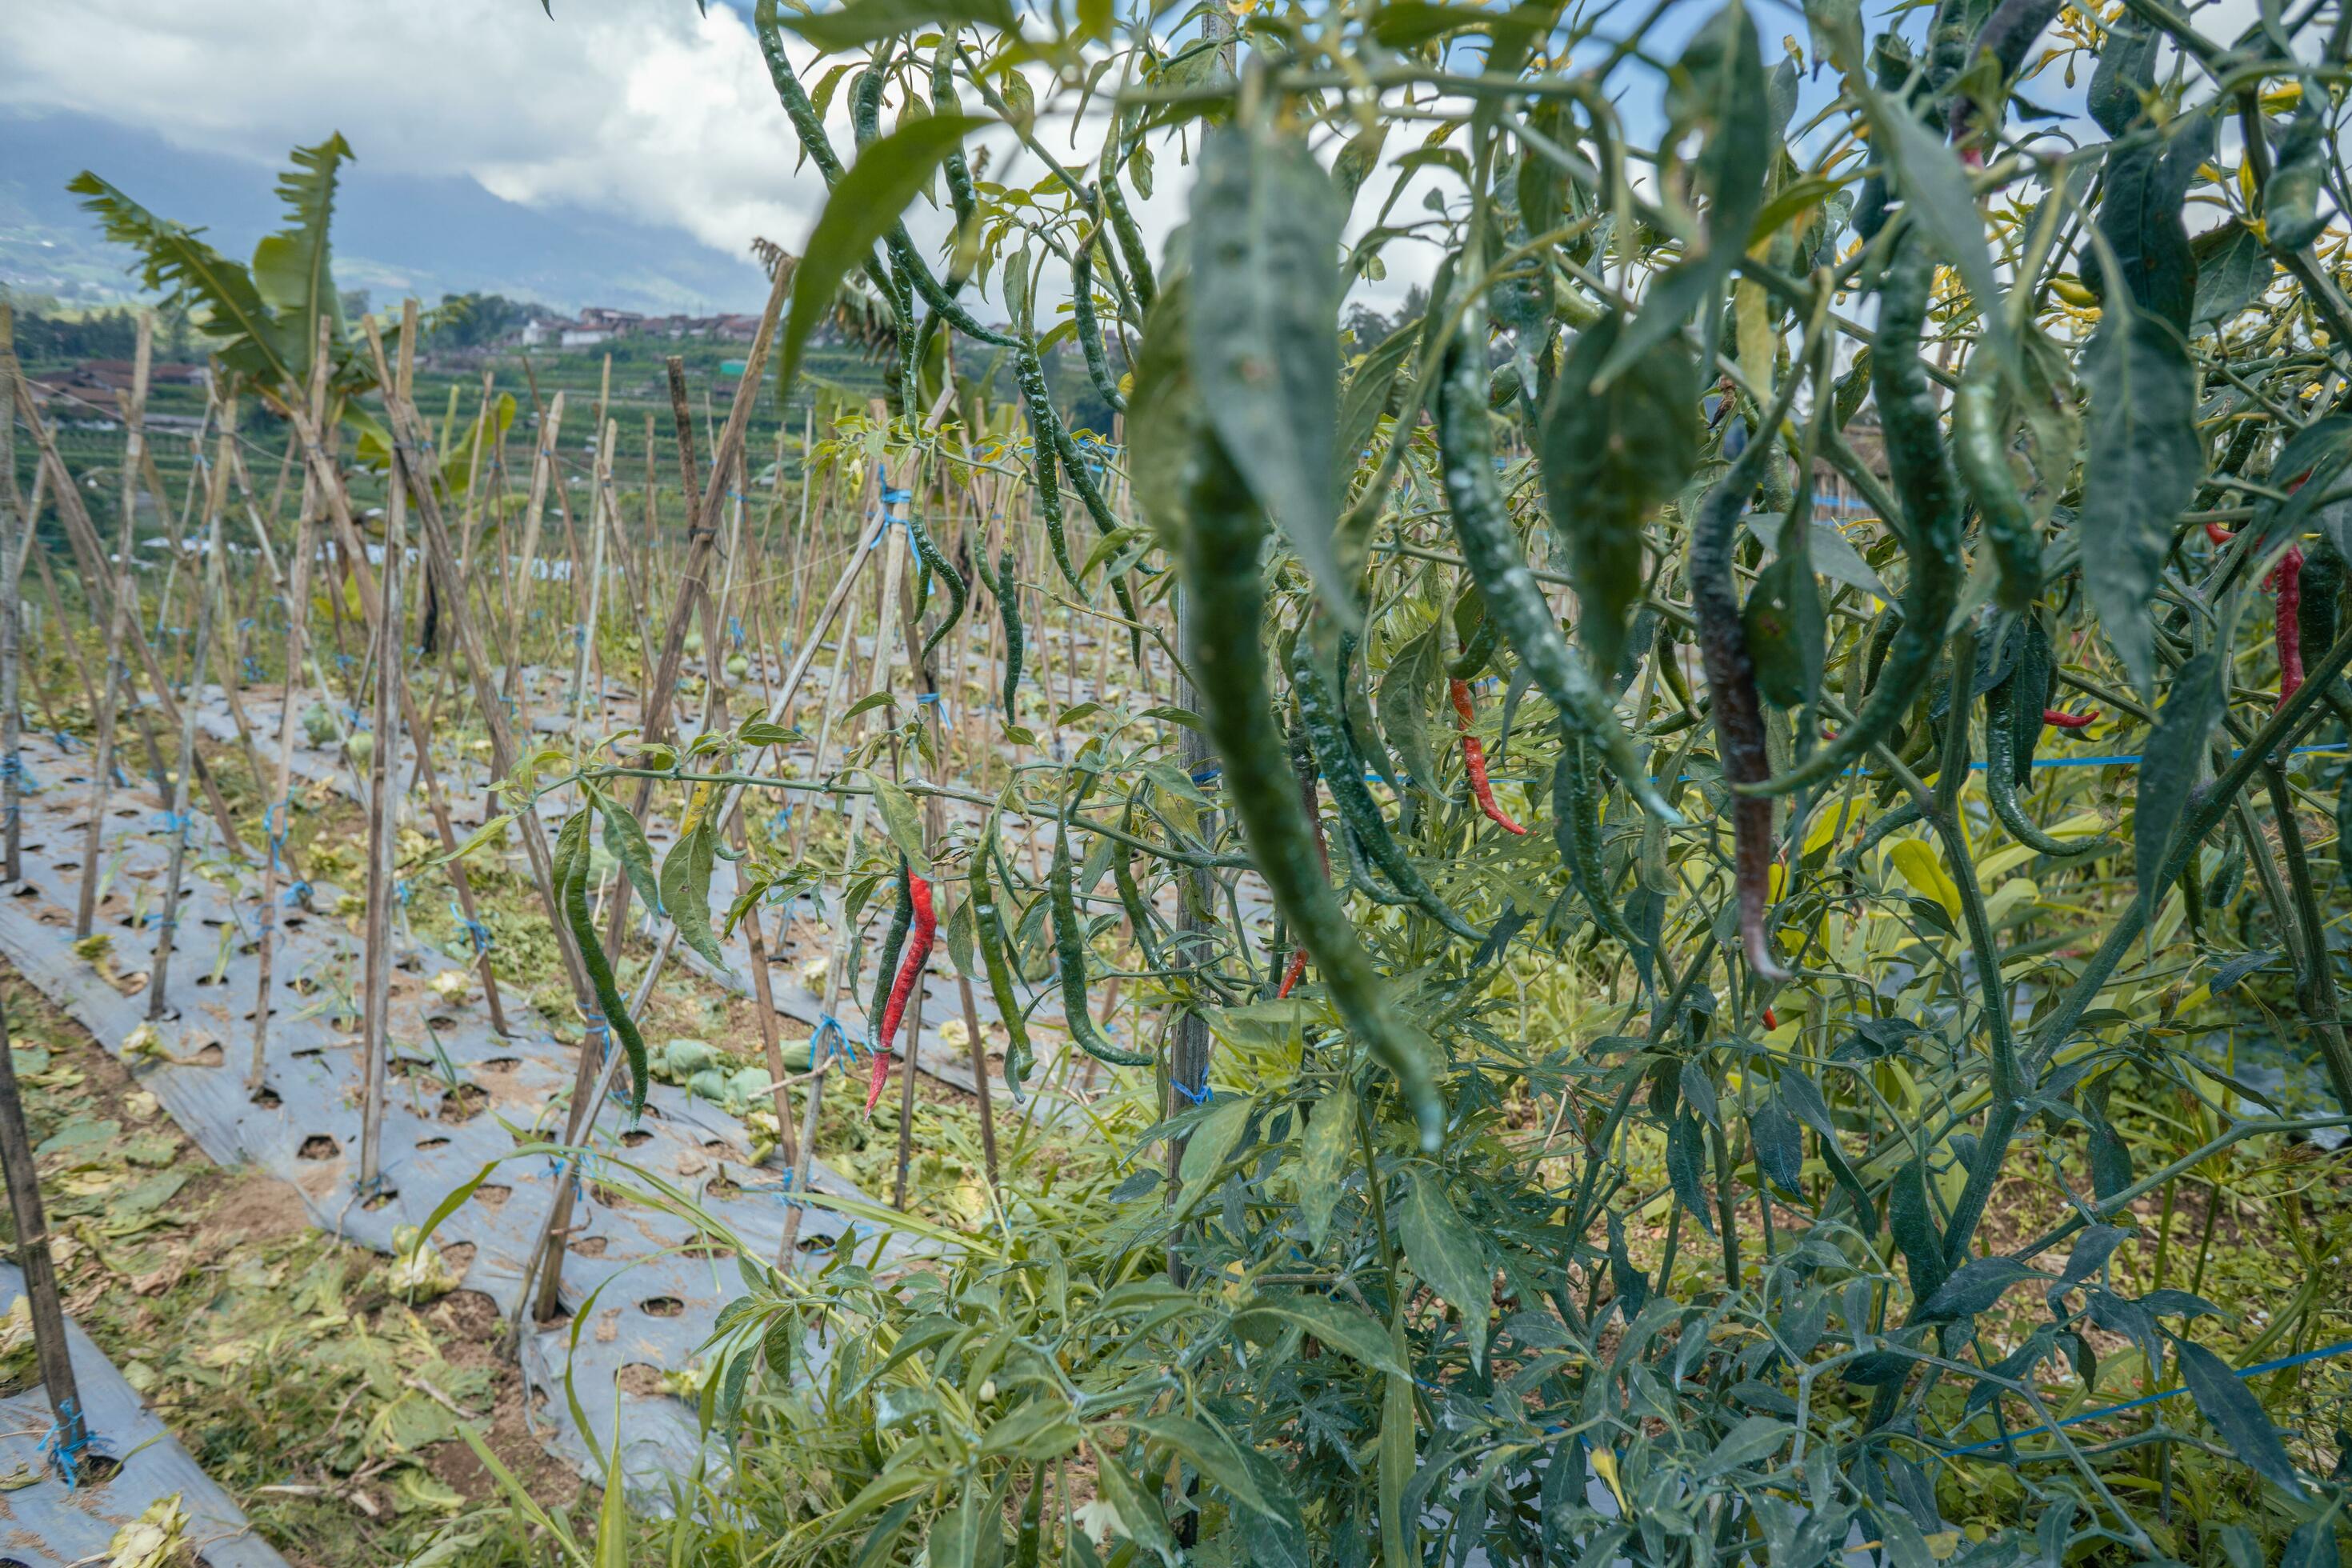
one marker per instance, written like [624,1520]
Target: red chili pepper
[2061,719]
[2217,535]
[1770,1021]
[1290,976]
[910,971]
[1474,762]
[2286,582]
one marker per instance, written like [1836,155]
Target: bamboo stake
[50,1344]
[126,596]
[16,525]
[167,928]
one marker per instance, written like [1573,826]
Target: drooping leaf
[862,22]
[1329,1146]
[2171,765]
[873,192]
[293,268]
[2140,218]
[2232,1411]
[1444,1251]
[1139,1516]
[1406,696]
[626,842]
[1610,459]
[1974,1287]
[1265,229]
[1337,1324]
[2143,466]
[902,820]
[684,888]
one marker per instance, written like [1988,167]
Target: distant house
[121,372]
[541,331]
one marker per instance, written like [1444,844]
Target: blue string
[836,1038]
[170,822]
[1199,1098]
[2340,1348]
[66,1447]
[65,742]
[477,933]
[926,699]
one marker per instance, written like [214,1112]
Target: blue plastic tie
[1199,1098]
[66,1447]
[476,932]
[837,1039]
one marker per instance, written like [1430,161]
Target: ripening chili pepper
[1771,1020]
[1474,762]
[2217,535]
[910,972]
[2059,719]
[1290,976]
[1738,714]
[2286,582]
[1912,417]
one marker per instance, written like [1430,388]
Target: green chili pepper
[1049,430]
[1046,466]
[893,943]
[2001,777]
[1320,717]
[1883,827]
[2291,215]
[1979,440]
[926,549]
[1478,645]
[1008,604]
[1070,956]
[1027,1544]
[1132,248]
[2323,589]
[1576,829]
[1089,331]
[571,875]
[1225,646]
[1482,520]
[1929,490]
[988,928]
[1130,896]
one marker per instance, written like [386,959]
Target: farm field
[1600,821]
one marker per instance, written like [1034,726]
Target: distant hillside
[394,233]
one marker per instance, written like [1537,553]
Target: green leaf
[1399,1538]
[2231,1408]
[1139,1518]
[1211,1144]
[626,842]
[174,260]
[1265,230]
[1750,1441]
[2233,269]
[2172,761]
[686,890]
[860,210]
[2143,469]
[1041,1428]
[1372,391]
[1684,1142]
[1974,1288]
[1610,459]
[1343,1328]
[1936,192]
[2140,218]
[293,267]
[1407,690]
[488,832]
[867,21]
[1720,79]
[1912,1222]
[1210,1451]
[1329,1146]
[904,824]
[1443,1250]
[1780,1146]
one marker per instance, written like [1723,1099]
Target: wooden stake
[123,624]
[49,1342]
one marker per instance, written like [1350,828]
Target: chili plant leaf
[1407,691]
[866,21]
[685,888]
[1139,1518]
[1443,1250]
[626,841]
[903,823]
[2231,1408]
[1266,225]
[1608,461]
[1328,1144]
[2143,466]
[2173,762]
[1974,1288]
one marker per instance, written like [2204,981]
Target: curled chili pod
[988,929]
[1731,687]
[1930,494]
[1070,957]
[1482,520]
[894,942]
[571,879]
[1319,715]
[1082,316]
[926,549]
[1139,913]
[2000,778]
[1226,646]
[1293,975]
[1474,759]
[1980,440]
[2059,719]
[1048,426]
[911,974]
[1576,830]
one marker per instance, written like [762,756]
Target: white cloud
[637,109]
